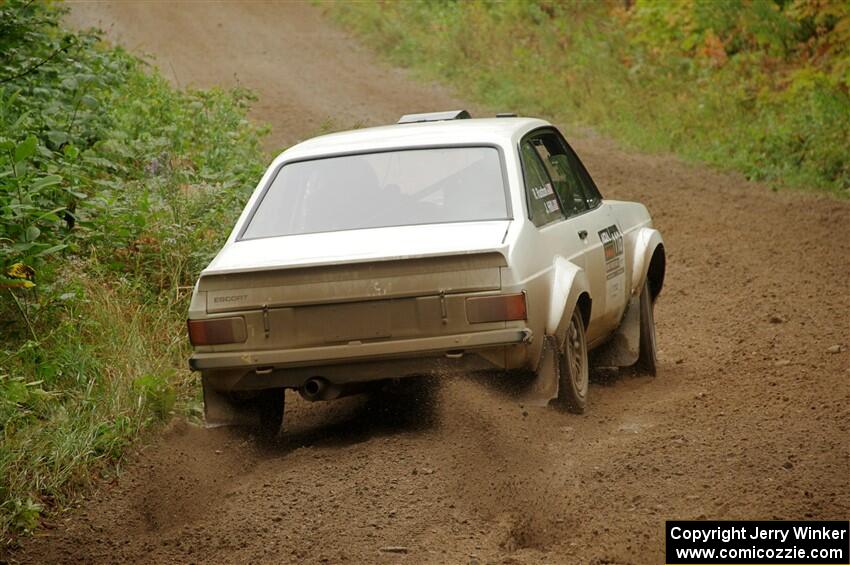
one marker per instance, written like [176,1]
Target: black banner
[691,542]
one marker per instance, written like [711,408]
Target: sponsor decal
[615,262]
[542,191]
[612,244]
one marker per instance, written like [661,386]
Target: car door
[607,254]
[589,230]
[547,216]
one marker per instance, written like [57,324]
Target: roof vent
[435,117]
[506,115]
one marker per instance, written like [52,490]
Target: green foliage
[100,157]
[760,86]
[116,189]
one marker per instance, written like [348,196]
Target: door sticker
[542,191]
[615,265]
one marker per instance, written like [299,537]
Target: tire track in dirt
[747,419]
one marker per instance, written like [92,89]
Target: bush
[115,190]
[759,86]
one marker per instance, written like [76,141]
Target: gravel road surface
[748,417]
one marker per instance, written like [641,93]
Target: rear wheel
[648,356]
[269,405]
[574,374]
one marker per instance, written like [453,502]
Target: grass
[114,186]
[115,190]
[760,87]
[111,364]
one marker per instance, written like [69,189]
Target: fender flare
[569,281]
[647,241]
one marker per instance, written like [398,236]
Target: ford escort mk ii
[437,244]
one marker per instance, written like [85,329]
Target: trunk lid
[305,290]
[334,283]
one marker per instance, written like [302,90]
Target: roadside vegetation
[115,190]
[759,86]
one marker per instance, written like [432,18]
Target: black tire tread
[567,396]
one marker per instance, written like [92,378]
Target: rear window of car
[389,188]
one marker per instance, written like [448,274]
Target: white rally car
[439,243]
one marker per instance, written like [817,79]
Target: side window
[590,190]
[564,173]
[542,200]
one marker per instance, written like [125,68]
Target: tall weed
[115,190]
[759,86]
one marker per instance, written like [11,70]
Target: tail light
[498,308]
[217,331]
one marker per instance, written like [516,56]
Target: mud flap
[544,386]
[221,409]
[623,349]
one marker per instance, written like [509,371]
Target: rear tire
[647,362]
[574,373]
[269,405]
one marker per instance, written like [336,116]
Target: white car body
[560,266]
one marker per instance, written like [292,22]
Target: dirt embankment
[748,418]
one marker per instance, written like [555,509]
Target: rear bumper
[356,351]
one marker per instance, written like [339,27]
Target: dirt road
[748,418]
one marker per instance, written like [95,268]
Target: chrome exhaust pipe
[314,389]
[317,388]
